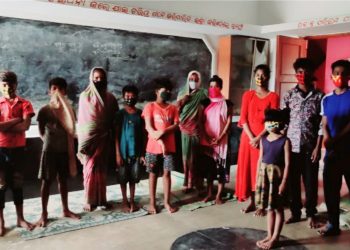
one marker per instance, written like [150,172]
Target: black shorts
[130,171]
[53,164]
[10,170]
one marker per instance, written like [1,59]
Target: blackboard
[38,51]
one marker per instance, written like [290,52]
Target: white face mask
[192,84]
[271,126]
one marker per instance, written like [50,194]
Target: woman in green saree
[189,102]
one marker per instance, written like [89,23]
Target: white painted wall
[232,11]
[249,12]
[275,12]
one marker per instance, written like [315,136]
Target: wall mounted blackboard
[38,51]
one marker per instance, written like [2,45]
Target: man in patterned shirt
[304,103]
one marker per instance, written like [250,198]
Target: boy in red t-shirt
[161,120]
[15,118]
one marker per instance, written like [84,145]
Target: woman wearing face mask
[254,104]
[188,102]
[216,119]
[97,107]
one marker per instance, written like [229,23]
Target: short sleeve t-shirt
[337,110]
[161,118]
[131,127]
[19,108]
[55,137]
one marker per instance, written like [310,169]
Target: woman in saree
[189,104]
[97,107]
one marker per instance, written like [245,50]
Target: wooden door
[288,50]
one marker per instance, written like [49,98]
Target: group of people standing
[133,136]
[278,148]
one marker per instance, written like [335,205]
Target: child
[15,118]
[272,177]
[336,130]
[161,120]
[129,143]
[57,130]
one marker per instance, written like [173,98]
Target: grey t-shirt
[55,137]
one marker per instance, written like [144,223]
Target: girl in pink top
[217,120]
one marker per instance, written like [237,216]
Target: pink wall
[337,48]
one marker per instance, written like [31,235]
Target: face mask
[300,78]
[165,96]
[258,81]
[270,126]
[214,92]
[337,80]
[192,84]
[100,85]
[130,101]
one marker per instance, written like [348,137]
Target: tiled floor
[161,230]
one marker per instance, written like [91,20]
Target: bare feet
[207,198]
[261,242]
[107,206]
[125,207]
[70,214]
[260,212]
[89,207]
[42,222]
[248,209]
[152,209]
[188,190]
[312,222]
[170,208]
[219,201]
[269,244]
[133,207]
[25,224]
[292,219]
